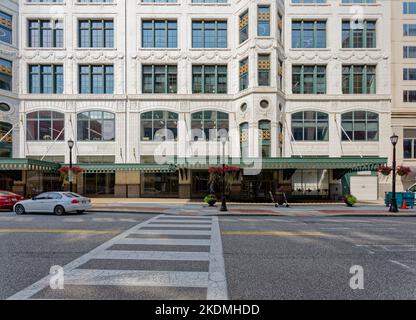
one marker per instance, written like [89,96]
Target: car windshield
[6,193]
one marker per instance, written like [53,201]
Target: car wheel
[19,209]
[80,211]
[59,210]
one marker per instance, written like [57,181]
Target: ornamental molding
[9,53]
[29,55]
[342,56]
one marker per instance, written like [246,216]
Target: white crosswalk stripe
[160,241]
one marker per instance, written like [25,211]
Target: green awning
[27,165]
[351,163]
[113,167]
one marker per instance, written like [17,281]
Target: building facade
[403,85]
[304,86]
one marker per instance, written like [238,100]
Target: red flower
[75,170]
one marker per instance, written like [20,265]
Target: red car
[9,199]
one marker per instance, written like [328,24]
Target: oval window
[243,107]
[4,107]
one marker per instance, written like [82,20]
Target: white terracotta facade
[128,102]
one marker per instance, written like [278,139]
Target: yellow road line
[278,234]
[58,231]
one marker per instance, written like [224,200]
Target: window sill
[310,49]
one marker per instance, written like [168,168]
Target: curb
[261,214]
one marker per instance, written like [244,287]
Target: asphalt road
[149,256]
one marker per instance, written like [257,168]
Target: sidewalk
[188,207]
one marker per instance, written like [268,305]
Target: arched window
[6,140]
[360,126]
[96,126]
[265,127]
[156,125]
[244,139]
[310,126]
[212,123]
[45,126]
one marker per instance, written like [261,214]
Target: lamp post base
[223,205]
[393,206]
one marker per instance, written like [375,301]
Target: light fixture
[394,139]
[70,144]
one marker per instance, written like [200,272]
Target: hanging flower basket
[74,170]
[230,173]
[384,170]
[403,171]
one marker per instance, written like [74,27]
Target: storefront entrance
[160,185]
[99,184]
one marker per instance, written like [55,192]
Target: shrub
[350,200]
[210,199]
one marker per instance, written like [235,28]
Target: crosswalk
[164,252]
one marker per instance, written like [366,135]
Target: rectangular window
[6,74]
[263,21]
[6,25]
[244,23]
[209,34]
[263,68]
[243,74]
[309,79]
[46,79]
[409,52]
[409,30]
[359,79]
[209,79]
[96,34]
[409,96]
[96,79]
[409,7]
[159,34]
[45,34]
[358,35]
[409,74]
[308,34]
[409,144]
[159,79]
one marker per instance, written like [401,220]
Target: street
[112,255]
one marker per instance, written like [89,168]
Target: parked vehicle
[9,199]
[58,203]
[412,188]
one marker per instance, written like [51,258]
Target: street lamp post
[393,206]
[70,145]
[223,200]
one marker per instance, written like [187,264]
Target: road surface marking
[276,233]
[137,278]
[214,280]
[59,231]
[152,255]
[167,242]
[403,265]
[173,232]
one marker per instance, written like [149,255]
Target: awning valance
[27,165]
[113,167]
[351,163]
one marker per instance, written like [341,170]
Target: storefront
[301,179]
[29,177]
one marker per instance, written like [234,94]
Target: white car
[55,202]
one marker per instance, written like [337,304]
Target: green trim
[28,165]
[351,163]
[112,167]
